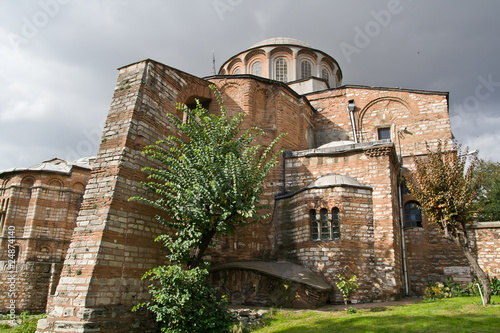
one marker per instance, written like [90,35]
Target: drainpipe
[401,213]
[352,106]
[403,246]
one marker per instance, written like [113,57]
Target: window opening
[335,223]
[257,68]
[325,224]
[314,225]
[325,75]
[413,215]
[384,133]
[305,69]
[281,70]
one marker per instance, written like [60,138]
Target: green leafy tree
[488,202]
[446,190]
[209,183]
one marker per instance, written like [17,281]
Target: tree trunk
[200,251]
[481,275]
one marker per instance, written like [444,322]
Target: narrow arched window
[413,215]
[325,224]
[28,183]
[281,70]
[305,69]
[314,225]
[325,75]
[237,71]
[335,223]
[257,68]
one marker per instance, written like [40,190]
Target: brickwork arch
[78,187]
[28,181]
[55,182]
[384,112]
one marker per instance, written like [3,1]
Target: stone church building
[339,203]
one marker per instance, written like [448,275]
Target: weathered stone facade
[39,206]
[335,197]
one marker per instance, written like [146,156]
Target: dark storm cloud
[59,58]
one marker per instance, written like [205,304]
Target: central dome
[289,60]
[280,41]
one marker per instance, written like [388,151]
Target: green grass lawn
[460,314]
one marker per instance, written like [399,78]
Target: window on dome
[305,69]
[237,72]
[281,71]
[257,68]
[325,75]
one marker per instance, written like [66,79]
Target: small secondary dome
[280,41]
[333,179]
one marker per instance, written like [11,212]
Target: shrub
[347,286]
[434,292]
[495,286]
[28,322]
[183,301]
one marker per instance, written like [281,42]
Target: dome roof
[280,41]
[334,179]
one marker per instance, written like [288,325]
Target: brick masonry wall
[431,257]
[487,246]
[111,245]
[424,115]
[275,109]
[375,257]
[40,208]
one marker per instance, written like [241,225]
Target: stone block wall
[111,245]
[30,284]
[423,114]
[38,214]
[371,243]
[431,257]
[487,246]
[275,109]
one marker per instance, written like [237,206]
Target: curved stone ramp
[277,284]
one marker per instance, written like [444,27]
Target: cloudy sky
[59,57]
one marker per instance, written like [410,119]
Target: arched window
[55,183]
[325,224]
[281,70]
[305,69]
[335,223]
[325,75]
[28,183]
[256,68]
[237,71]
[413,215]
[314,225]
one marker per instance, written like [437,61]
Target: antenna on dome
[213,62]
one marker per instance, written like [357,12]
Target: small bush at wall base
[451,288]
[183,301]
[434,292]
[28,323]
